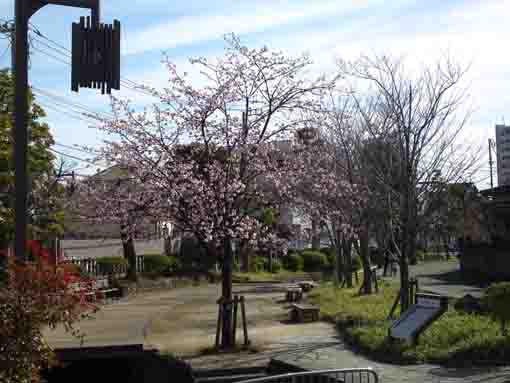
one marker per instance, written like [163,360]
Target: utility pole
[490,161]
[23,10]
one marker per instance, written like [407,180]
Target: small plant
[35,296]
[497,298]
[314,260]
[159,264]
[294,262]
[257,264]
[276,266]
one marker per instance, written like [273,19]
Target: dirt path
[190,327]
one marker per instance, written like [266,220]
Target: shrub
[294,262]
[159,264]
[36,296]
[276,266]
[497,298]
[257,264]
[314,260]
[111,265]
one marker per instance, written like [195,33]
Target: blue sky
[473,32]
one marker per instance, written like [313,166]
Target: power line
[71,148]
[73,103]
[61,50]
[67,52]
[73,157]
[74,115]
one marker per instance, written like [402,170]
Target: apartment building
[503,153]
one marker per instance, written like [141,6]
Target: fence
[354,375]
[91,267]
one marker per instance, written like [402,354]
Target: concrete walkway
[182,322]
[442,278]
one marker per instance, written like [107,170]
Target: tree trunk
[130,255]
[128,248]
[4,263]
[226,295]
[244,252]
[365,260]
[316,239]
[346,249]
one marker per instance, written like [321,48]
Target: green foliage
[456,337]
[276,266]
[45,208]
[497,298]
[111,265]
[257,264]
[314,260]
[159,263]
[293,262]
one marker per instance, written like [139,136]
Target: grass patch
[262,276]
[455,339]
[345,306]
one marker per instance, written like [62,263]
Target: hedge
[314,260]
[294,262]
[159,264]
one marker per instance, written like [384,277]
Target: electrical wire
[63,51]
[74,104]
[73,157]
[72,148]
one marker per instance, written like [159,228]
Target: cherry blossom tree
[207,152]
[321,186]
[124,200]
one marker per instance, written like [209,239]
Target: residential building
[503,153]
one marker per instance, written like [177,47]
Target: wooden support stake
[245,325]
[395,304]
[234,326]
[218,325]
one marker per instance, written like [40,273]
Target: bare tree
[421,118]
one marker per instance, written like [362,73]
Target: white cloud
[262,16]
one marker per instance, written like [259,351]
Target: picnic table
[304,313]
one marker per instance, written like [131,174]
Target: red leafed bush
[36,295]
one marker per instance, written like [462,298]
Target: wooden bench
[103,287]
[294,294]
[304,313]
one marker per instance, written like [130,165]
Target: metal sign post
[23,10]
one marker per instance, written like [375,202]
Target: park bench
[99,289]
[304,313]
[103,287]
[294,294]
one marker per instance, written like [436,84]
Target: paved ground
[443,278]
[182,321]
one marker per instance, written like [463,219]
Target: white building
[503,154]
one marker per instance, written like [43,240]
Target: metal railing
[352,375]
